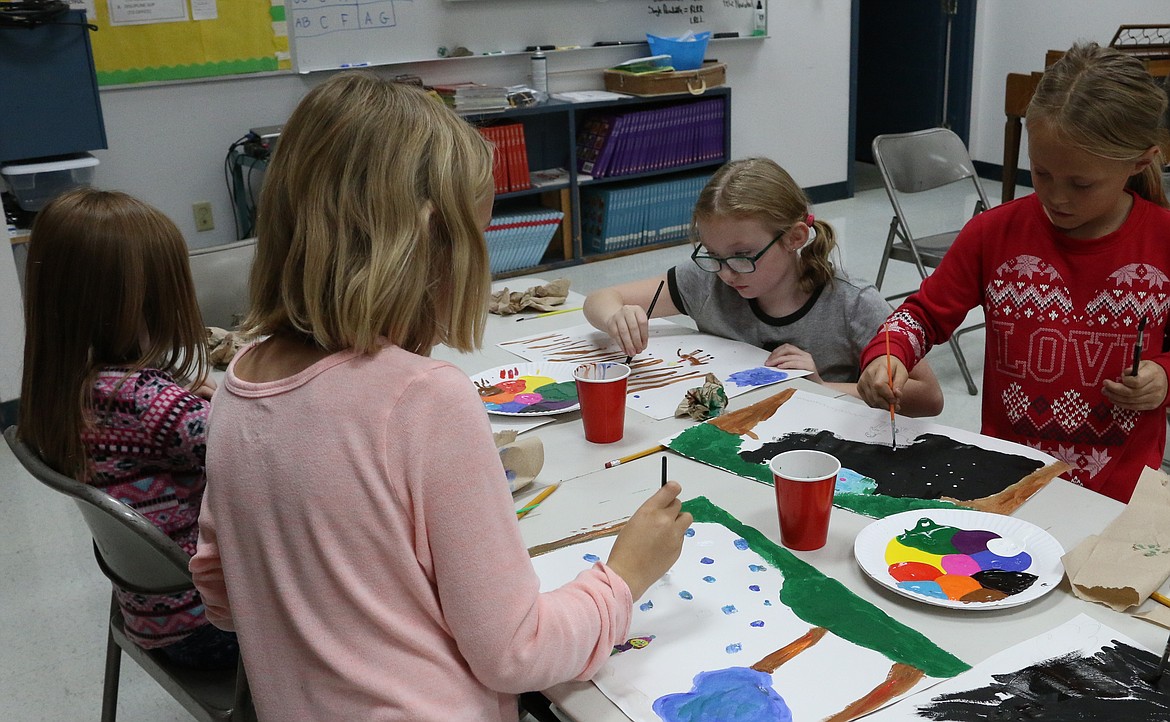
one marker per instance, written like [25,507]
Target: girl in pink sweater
[355,530]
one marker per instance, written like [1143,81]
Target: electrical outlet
[204,221]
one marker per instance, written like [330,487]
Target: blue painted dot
[689,532]
[758,623]
[730,609]
[646,606]
[734,647]
[706,560]
[767,602]
[684,594]
[709,579]
[741,544]
[754,587]
[757,567]
[591,558]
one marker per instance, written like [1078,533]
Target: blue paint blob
[684,594]
[706,560]
[591,558]
[689,532]
[510,474]
[734,647]
[990,560]
[926,589]
[709,579]
[735,694]
[646,606]
[754,587]
[741,544]
[729,609]
[759,376]
[758,623]
[767,602]
[757,568]
[850,482]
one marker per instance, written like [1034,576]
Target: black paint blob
[931,467]
[1109,686]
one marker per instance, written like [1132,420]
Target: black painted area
[1007,582]
[931,467]
[1109,686]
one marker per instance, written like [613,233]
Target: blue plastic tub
[684,55]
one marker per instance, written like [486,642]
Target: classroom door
[913,68]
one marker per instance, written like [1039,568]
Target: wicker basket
[695,82]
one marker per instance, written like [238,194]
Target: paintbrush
[650,309]
[890,377]
[664,471]
[1137,347]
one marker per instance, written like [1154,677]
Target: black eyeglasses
[738,264]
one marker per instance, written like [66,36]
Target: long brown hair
[367,223]
[105,272]
[760,188]
[1106,103]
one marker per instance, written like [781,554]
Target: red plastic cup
[804,481]
[601,389]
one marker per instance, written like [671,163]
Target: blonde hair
[1106,103]
[367,222]
[103,269]
[760,188]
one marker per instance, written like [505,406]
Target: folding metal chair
[136,555]
[917,162]
[220,274]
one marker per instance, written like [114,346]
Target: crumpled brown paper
[1131,557]
[223,345]
[704,402]
[539,298]
[522,459]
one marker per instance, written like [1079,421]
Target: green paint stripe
[276,12]
[187,72]
[879,506]
[825,602]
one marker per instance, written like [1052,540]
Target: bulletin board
[328,34]
[214,38]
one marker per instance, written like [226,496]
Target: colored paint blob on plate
[946,562]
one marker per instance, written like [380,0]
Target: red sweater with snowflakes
[1062,316]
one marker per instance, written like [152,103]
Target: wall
[791,102]
[1012,37]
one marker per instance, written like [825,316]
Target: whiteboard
[329,34]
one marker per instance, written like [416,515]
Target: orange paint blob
[956,587]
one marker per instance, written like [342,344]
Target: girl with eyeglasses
[761,273]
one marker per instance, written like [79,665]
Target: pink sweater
[357,532]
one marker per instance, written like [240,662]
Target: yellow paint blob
[897,552]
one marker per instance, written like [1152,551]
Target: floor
[53,601]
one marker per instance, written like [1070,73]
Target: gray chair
[136,555]
[220,274]
[913,163]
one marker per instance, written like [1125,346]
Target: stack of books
[616,144]
[519,240]
[511,157]
[473,97]
[619,218]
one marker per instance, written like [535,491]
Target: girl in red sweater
[1073,279]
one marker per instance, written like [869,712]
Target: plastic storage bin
[684,54]
[35,184]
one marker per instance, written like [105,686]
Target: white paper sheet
[676,359]
[720,608]
[1080,637]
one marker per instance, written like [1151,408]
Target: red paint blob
[914,572]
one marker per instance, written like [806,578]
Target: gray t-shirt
[834,326]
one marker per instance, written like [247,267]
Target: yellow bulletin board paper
[247,36]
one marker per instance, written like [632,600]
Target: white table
[593,495]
